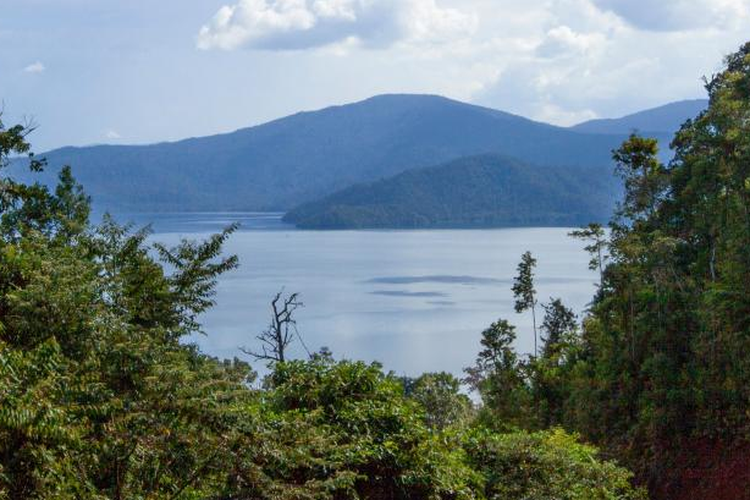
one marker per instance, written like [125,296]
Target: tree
[546,465]
[281,331]
[550,374]
[197,265]
[440,396]
[663,371]
[560,325]
[637,164]
[524,292]
[369,432]
[498,376]
[98,398]
[595,235]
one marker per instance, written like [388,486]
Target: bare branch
[275,340]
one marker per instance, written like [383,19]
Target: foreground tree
[546,465]
[560,326]
[98,398]
[498,376]
[550,375]
[524,291]
[439,394]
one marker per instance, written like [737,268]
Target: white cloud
[553,60]
[562,41]
[112,135]
[299,24]
[678,15]
[36,67]
[336,9]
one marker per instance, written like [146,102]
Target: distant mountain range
[309,156]
[471,192]
[662,120]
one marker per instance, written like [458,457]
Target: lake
[416,301]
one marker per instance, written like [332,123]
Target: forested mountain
[665,119]
[479,191]
[303,157]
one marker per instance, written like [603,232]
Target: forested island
[475,192]
[647,395]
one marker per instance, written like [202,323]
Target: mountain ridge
[308,155]
[665,119]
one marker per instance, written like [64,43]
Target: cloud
[578,59]
[36,67]
[112,135]
[300,24]
[562,41]
[561,61]
[678,15]
[572,77]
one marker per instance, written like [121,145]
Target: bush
[545,465]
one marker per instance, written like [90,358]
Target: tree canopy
[658,370]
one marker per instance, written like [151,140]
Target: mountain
[308,155]
[478,191]
[665,119]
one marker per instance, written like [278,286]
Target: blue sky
[136,71]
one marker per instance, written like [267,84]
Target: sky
[143,71]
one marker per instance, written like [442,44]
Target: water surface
[416,301]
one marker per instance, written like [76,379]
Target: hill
[306,156]
[662,120]
[479,191]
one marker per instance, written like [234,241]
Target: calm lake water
[416,301]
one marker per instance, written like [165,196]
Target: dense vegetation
[666,362]
[480,191]
[300,158]
[659,374]
[100,398]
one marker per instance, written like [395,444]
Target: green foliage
[674,312]
[661,361]
[99,398]
[549,465]
[193,282]
[560,325]
[523,284]
[380,437]
[595,235]
[439,394]
[550,374]
[498,376]
[638,165]
[524,291]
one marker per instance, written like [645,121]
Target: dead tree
[281,331]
